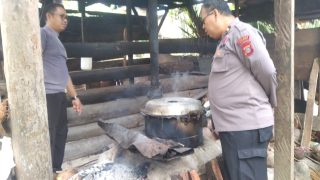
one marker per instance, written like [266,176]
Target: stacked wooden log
[122,104]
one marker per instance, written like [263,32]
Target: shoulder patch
[245,45]
[243,39]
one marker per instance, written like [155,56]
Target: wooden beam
[117,108]
[144,3]
[97,28]
[128,37]
[82,9]
[86,147]
[25,84]
[107,110]
[308,118]
[119,49]
[92,129]
[118,73]
[284,113]
[173,84]
[75,64]
[155,90]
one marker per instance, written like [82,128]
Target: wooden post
[155,90]
[82,9]
[128,34]
[24,76]
[237,7]
[284,113]
[308,117]
[317,121]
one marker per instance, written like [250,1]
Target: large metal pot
[176,118]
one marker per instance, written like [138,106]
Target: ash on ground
[111,171]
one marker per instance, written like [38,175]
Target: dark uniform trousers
[58,127]
[245,154]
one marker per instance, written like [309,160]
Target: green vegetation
[188,26]
[315,23]
[264,27]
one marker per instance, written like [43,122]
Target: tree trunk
[24,76]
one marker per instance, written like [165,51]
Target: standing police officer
[242,92]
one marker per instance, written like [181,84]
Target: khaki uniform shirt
[242,82]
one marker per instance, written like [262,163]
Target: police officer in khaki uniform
[242,92]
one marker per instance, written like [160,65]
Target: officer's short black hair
[220,5]
[51,8]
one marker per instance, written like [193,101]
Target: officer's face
[58,20]
[210,23]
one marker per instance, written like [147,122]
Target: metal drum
[176,118]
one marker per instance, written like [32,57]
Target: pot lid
[172,106]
